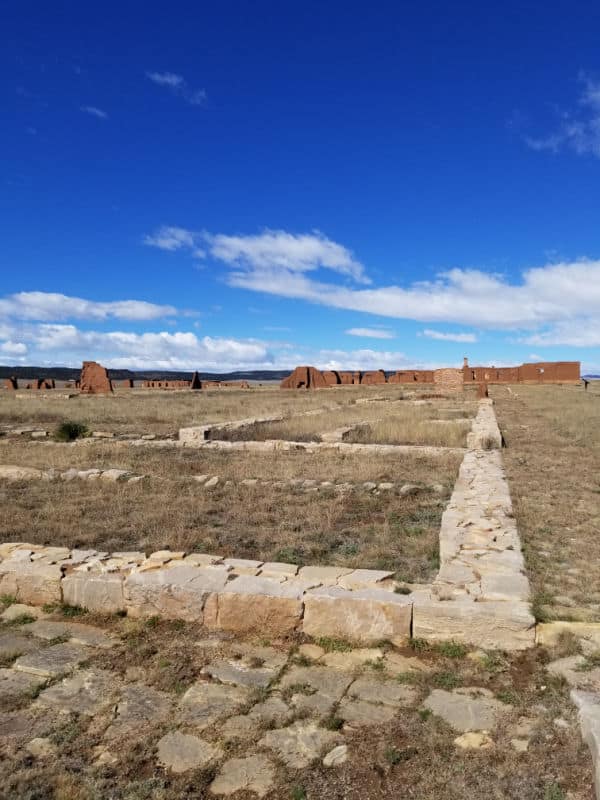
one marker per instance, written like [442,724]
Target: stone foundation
[480,595]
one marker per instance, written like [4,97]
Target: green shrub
[68,431]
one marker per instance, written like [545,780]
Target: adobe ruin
[450,380]
[94,379]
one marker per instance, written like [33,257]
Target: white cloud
[448,337]
[582,332]
[163,350]
[543,295]
[94,112]
[51,306]
[371,333]
[171,238]
[282,251]
[179,86]
[166,79]
[578,131]
[274,251]
[13,348]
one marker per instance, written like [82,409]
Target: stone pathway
[254,718]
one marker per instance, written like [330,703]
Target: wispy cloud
[178,85]
[94,112]
[272,250]
[558,302]
[52,306]
[577,130]
[448,337]
[371,333]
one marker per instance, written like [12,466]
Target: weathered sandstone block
[367,615]
[492,625]
[102,592]
[36,583]
[253,604]
[175,592]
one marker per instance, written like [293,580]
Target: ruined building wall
[449,381]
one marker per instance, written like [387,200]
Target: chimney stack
[465,362]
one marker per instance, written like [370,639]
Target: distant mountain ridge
[72,373]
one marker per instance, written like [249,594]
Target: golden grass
[165,412]
[352,529]
[437,423]
[176,463]
[552,461]
[170,509]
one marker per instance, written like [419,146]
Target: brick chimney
[465,362]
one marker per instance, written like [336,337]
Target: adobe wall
[373,378]
[412,376]
[541,372]
[94,379]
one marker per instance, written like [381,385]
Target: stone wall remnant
[11,384]
[449,381]
[94,379]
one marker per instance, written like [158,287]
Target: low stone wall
[236,595]
[198,434]
[485,433]
[481,592]
[271,445]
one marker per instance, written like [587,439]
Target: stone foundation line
[480,595]
[11,472]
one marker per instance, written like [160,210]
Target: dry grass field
[162,412]
[439,423]
[552,460]
[170,510]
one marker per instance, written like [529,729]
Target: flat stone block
[54,661]
[181,752]
[78,633]
[588,704]
[95,591]
[364,579]
[178,592]
[31,582]
[257,604]
[365,616]
[14,684]
[206,703]
[275,569]
[243,566]
[492,625]
[87,692]
[327,576]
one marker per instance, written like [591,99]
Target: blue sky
[257,185]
